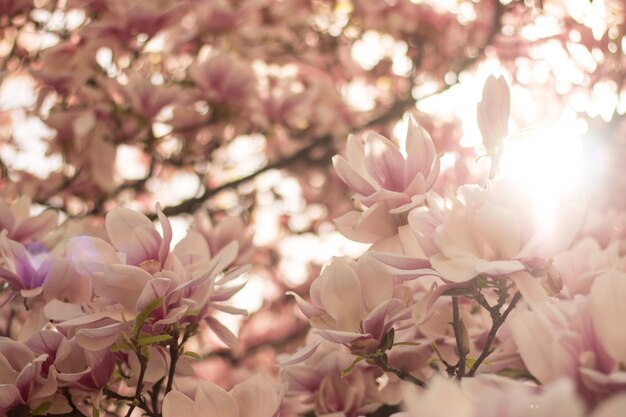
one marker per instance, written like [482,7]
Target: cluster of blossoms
[100,323]
[466,291]
[469,304]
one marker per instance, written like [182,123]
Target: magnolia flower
[580,265]
[317,383]
[386,182]
[496,232]
[75,367]
[227,230]
[140,268]
[224,79]
[19,224]
[256,396]
[352,301]
[24,378]
[578,338]
[44,274]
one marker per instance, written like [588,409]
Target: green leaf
[193,355]
[407,344]
[351,367]
[469,362]
[119,347]
[41,409]
[153,340]
[142,317]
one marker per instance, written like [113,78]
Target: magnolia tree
[312,208]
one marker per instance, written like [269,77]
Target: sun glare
[550,162]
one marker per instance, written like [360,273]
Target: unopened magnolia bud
[465,341]
[553,282]
[364,346]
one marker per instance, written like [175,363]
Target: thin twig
[403,374]
[174,351]
[143,364]
[495,326]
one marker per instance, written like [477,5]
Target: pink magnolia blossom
[46,274]
[495,232]
[227,230]
[24,378]
[225,79]
[577,338]
[143,97]
[20,225]
[140,268]
[373,307]
[77,368]
[386,182]
[256,396]
[580,265]
[317,384]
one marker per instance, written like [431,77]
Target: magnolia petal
[9,397]
[375,323]
[142,245]
[176,404]
[89,253]
[212,400]
[532,291]
[308,309]
[340,293]
[59,311]
[420,150]
[612,407]
[498,267]
[222,332]
[384,162]
[455,269]
[608,308]
[192,248]
[376,286]
[156,288]
[373,224]
[499,229]
[257,397]
[301,355]
[120,223]
[341,337]
[351,177]
[44,222]
[230,309]
[403,266]
[164,248]
[533,336]
[32,292]
[99,338]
